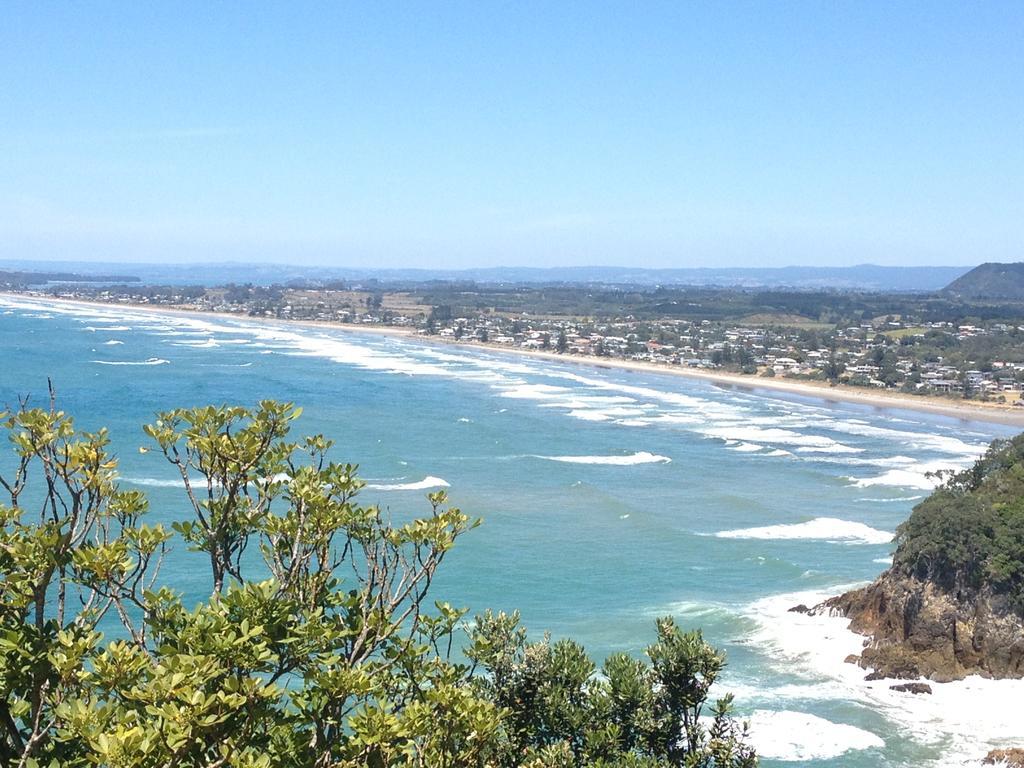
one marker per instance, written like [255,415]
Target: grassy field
[899,333]
[786,320]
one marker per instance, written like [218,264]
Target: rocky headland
[952,604]
[917,629]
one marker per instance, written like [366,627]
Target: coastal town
[980,360]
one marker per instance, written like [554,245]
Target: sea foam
[640,457]
[920,476]
[420,485]
[153,482]
[150,361]
[821,528]
[962,720]
[798,736]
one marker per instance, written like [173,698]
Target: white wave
[352,353]
[919,440]
[198,344]
[746,447]
[589,415]
[535,392]
[779,452]
[883,560]
[962,720]
[640,457]
[798,736]
[112,343]
[572,400]
[674,419]
[830,529]
[153,482]
[464,420]
[914,476]
[421,485]
[690,609]
[744,432]
[150,361]
[579,406]
[891,500]
[157,482]
[834,448]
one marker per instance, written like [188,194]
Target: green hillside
[970,532]
[990,281]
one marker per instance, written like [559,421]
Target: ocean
[609,497]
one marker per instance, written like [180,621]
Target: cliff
[952,604]
[920,630]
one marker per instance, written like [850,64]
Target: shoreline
[962,719]
[966,411]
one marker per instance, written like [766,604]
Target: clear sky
[451,134]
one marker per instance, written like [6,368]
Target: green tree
[314,645]
[634,714]
[969,534]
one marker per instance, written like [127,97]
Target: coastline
[960,720]
[965,411]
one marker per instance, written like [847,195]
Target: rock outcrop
[915,688]
[918,630]
[1011,758]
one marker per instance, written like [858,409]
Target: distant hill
[862,277]
[990,281]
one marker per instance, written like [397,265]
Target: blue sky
[451,135]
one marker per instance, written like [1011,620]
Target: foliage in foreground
[315,644]
[970,532]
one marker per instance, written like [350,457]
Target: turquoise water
[609,497]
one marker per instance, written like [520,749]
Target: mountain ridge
[866,277]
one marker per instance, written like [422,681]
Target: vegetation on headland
[969,533]
[315,642]
[952,604]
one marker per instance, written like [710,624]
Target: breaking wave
[798,736]
[640,457]
[150,361]
[821,528]
[420,485]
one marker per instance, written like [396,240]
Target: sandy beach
[965,410]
